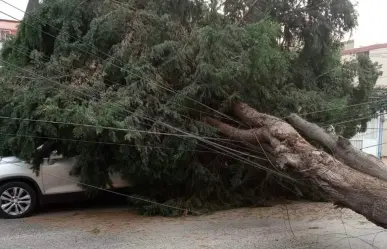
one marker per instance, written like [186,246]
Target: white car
[22,190]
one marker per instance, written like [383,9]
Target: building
[348,45]
[374,139]
[7,28]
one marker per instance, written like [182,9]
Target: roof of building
[364,49]
[6,20]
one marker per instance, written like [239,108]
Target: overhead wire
[305,8]
[187,135]
[343,107]
[372,146]
[117,129]
[96,142]
[117,193]
[121,68]
[156,82]
[223,148]
[159,84]
[351,117]
[353,120]
[226,150]
[171,90]
[105,127]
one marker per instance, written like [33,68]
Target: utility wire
[376,145]
[107,127]
[124,69]
[223,148]
[121,68]
[210,150]
[219,139]
[228,151]
[132,73]
[160,85]
[352,120]
[344,107]
[96,142]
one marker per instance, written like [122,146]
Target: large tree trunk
[353,180]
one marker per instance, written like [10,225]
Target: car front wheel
[17,200]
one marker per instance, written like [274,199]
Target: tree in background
[151,69]
[32,5]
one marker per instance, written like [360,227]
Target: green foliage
[151,65]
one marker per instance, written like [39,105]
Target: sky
[372,15]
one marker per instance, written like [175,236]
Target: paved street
[309,226]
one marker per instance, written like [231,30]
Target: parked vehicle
[22,190]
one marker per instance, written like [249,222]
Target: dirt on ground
[297,225]
[113,220]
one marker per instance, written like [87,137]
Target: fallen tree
[347,176]
[99,78]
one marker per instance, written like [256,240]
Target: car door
[56,175]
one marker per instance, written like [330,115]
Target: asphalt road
[300,225]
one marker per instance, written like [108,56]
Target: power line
[344,107]
[210,138]
[352,120]
[113,82]
[376,145]
[96,142]
[121,68]
[159,84]
[305,8]
[213,144]
[227,151]
[106,127]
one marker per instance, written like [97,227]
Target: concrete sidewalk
[311,225]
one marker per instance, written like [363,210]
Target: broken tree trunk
[340,148]
[352,186]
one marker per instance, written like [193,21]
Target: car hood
[10,159]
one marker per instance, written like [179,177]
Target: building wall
[369,141]
[374,140]
[348,44]
[380,56]
[7,27]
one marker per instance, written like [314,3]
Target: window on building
[4,35]
[372,129]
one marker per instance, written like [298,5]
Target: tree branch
[341,148]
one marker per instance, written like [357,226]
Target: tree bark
[341,148]
[343,185]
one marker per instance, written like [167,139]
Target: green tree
[159,66]
[32,5]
